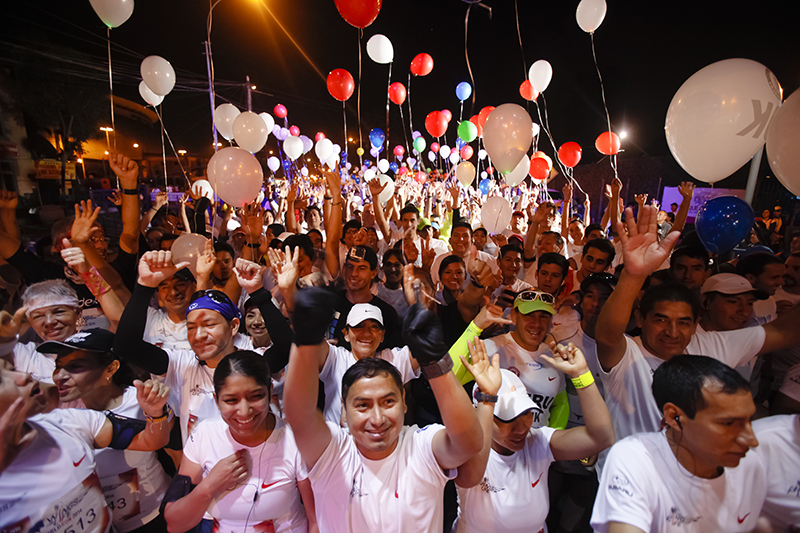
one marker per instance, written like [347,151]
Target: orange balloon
[484,114]
[607,143]
[527,91]
[476,119]
[539,169]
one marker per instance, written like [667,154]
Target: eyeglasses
[216,295]
[531,296]
[95,240]
[605,276]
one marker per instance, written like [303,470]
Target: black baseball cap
[90,340]
[363,253]
[603,278]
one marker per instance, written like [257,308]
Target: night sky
[645,51]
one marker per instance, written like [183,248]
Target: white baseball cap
[362,312]
[727,283]
[512,398]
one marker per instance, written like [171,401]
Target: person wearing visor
[505,486]
[212,321]
[364,331]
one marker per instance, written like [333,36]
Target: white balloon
[188,247]
[236,175]
[431,157]
[333,162]
[158,74]
[249,131]
[484,175]
[444,151]
[380,49]
[465,173]
[268,120]
[149,96]
[516,176]
[383,166]
[783,138]
[304,171]
[455,157]
[273,163]
[369,174]
[590,14]
[224,116]
[308,144]
[293,147]
[496,214]
[718,118]
[203,188]
[113,13]
[388,192]
[481,154]
[411,162]
[536,129]
[323,149]
[540,75]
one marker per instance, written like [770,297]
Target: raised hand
[253,219]
[8,200]
[10,324]
[641,199]
[641,251]
[486,373]
[162,199]
[155,267]
[73,257]
[687,189]
[116,197]
[206,261]
[375,188]
[126,169]
[152,395]
[11,439]
[428,254]
[567,192]
[567,359]
[616,186]
[83,227]
[248,274]
[285,267]
[490,314]
[542,210]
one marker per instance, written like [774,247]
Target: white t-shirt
[644,485]
[627,386]
[542,381]
[276,469]
[401,493]
[763,311]
[782,360]
[779,449]
[340,359]
[791,384]
[39,365]
[51,486]
[513,496]
[575,252]
[191,390]
[394,297]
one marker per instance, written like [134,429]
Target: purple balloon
[415,134]
[336,149]
[276,130]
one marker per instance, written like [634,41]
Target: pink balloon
[294,131]
[280,111]
[319,136]
[399,151]
[435,147]
[467,151]
[447,114]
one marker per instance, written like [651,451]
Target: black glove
[424,335]
[313,311]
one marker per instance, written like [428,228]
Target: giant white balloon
[236,175]
[224,116]
[496,214]
[250,131]
[323,149]
[718,118]
[274,163]
[516,176]
[268,120]
[465,173]
[158,74]
[293,146]
[203,188]
[590,14]
[149,96]
[388,192]
[783,140]
[507,136]
[113,13]
[540,75]
[380,49]
[188,247]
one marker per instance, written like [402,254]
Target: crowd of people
[331,362]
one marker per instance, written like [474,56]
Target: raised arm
[291,221]
[529,254]
[687,192]
[375,189]
[333,225]
[8,214]
[154,434]
[161,200]
[253,224]
[127,170]
[567,192]
[286,271]
[642,254]
[109,301]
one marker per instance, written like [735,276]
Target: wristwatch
[439,368]
[485,398]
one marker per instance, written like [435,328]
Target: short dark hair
[669,292]
[552,258]
[276,229]
[602,245]
[449,260]
[304,242]
[754,264]
[245,363]
[312,207]
[352,223]
[369,367]
[692,252]
[397,254]
[557,235]
[681,380]
[482,230]
[168,237]
[220,246]
[508,248]
[410,208]
[318,232]
[593,227]
[462,224]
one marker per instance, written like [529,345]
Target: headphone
[678,421]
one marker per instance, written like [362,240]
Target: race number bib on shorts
[122,494]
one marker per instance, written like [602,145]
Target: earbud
[678,421]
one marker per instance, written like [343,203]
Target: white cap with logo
[362,312]
[512,398]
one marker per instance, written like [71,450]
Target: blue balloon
[460,143]
[376,137]
[463,90]
[367,163]
[393,166]
[723,222]
[484,185]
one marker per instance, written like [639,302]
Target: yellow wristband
[584,380]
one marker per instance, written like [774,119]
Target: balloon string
[360,140]
[545,124]
[461,112]
[210,57]
[389,84]
[405,133]
[466,55]
[344,119]
[612,160]
[164,155]
[521,49]
[165,132]
[111,89]
[410,114]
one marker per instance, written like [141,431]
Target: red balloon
[570,154]
[436,123]
[527,91]
[467,151]
[422,65]
[280,111]
[476,119]
[359,13]
[607,143]
[399,150]
[435,147]
[294,131]
[319,136]
[341,84]
[421,177]
[397,93]
[539,168]
[402,170]
[490,170]
[484,114]
[447,114]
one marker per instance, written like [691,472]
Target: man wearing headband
[212,321]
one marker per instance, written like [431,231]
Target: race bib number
[267,526]
[122,494]
[81,510]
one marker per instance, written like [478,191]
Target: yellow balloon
[360,151]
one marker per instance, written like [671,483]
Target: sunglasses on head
[530,296]
[216,295]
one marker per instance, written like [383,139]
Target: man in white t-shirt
[765,272]
[166,326]
[391,290]
[697,475]
[779,448]
[520,350]
[667,315]
[377,475]
[461,243]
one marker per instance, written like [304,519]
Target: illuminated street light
[182,152]
[106,129]
[136,145]
[252,87]
[623,134]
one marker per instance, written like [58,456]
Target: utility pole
[249,95]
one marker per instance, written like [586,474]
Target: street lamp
[182,152]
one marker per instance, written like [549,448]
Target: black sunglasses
[216,295]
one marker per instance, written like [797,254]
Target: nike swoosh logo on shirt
[742,519]
[267,485]
[76,465]
[537,481]
[550,379]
